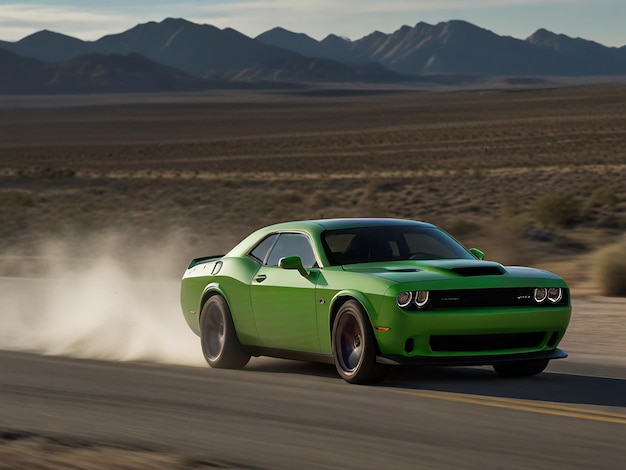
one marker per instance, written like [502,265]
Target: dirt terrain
[206,169]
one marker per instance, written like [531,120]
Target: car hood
[435,270]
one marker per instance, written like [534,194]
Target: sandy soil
[208,169]
[597,331]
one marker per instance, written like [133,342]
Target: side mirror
[293,262]
[477,253]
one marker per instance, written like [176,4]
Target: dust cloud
[113,303]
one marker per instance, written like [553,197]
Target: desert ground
[144,183]
[203,170]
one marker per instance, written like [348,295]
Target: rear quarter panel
[232,281]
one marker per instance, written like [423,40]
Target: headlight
[403,299]
[421,298]
[540,294]
[555,294]
[413,300]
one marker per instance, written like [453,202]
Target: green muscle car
[365,294]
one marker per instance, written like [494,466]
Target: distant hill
[48,46]
[176,54]
[91,73]
[297,42]
[20,74]
[588,55]
[458,47]
[202,51]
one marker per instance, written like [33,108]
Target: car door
[283,300]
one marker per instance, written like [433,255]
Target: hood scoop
[469,271]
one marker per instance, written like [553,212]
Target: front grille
[491,342]
[504,297]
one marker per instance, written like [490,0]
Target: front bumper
[463,335]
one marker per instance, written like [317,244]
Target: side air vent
[479,271]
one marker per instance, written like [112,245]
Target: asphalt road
[282,414]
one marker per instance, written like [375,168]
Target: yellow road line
[549,408]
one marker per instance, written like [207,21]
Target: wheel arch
[344,296]
[209,291]
[230,354]
[367,369]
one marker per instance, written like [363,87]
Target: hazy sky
[603,21]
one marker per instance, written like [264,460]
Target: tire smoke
[100,307]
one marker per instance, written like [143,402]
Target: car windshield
[390,243]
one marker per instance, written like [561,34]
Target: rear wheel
[354,346]
[521,368]
[220,345]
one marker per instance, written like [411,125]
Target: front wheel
[354,346]
[521,368]
[220,345]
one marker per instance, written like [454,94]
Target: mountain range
[458,47]
[176,55]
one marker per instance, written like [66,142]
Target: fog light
[540,294]
[403,299]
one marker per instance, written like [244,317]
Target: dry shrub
[17,200]
[610,269]
[557,210]
[603,197]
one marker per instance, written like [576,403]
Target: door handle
[260,278]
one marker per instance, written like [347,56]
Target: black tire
[521,368]
[354,346]
[220,345]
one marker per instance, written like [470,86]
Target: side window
[292,244]
[260,251]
